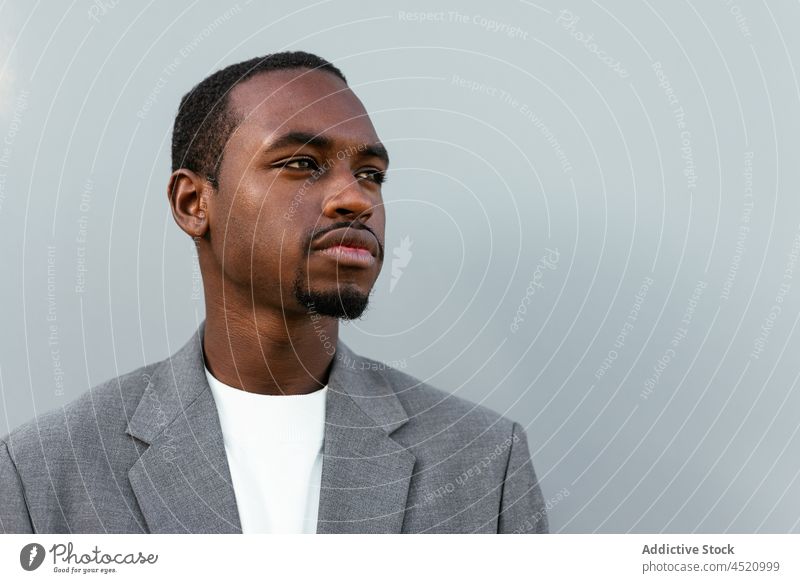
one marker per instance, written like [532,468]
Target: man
[264,421]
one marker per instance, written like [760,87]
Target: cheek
[278,248]
[253,243]
[233,228]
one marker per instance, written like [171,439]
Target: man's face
[298,174]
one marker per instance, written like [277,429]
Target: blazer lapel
[182,481]
[365,473]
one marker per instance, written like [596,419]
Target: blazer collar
[182,481]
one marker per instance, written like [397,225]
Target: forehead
[314,101]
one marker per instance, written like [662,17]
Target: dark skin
[254,231]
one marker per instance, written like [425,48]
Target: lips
[348,238]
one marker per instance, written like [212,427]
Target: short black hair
[203,123]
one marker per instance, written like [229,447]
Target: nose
[347,198]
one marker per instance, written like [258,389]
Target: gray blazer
[144,453]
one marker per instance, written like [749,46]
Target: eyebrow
[300,138]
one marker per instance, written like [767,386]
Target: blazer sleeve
[14,516]
[522,506]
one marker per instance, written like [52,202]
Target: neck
[268,351]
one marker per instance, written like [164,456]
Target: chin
[346,302]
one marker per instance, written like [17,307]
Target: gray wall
[621,178]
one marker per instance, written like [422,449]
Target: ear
[188,195]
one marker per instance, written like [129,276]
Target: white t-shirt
[274,448]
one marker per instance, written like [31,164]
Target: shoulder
[464,454]
[434,411]
[101,412]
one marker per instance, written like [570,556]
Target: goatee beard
[345,304]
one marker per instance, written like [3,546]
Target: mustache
[358,225]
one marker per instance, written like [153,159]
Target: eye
[373,174]
[299,164]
